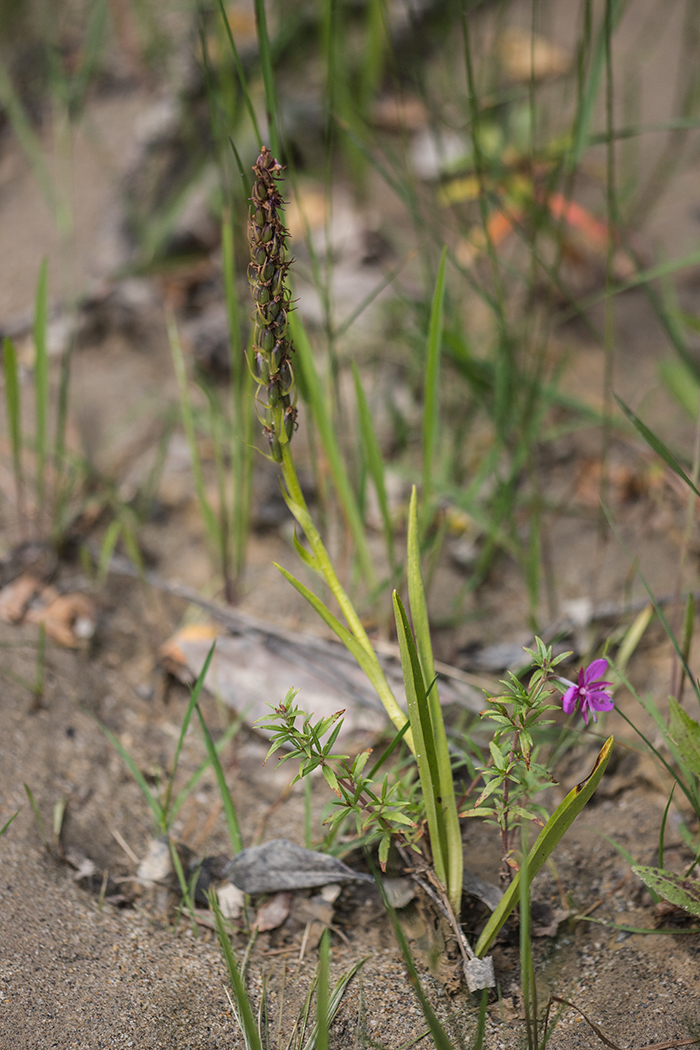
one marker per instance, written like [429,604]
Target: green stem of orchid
[301,512]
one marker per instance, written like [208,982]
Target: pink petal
[601,701]
[595,670]
[569,699]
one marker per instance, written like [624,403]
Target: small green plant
[7,823]
[164,805]
[512,777]
[256,1030]
[382,811]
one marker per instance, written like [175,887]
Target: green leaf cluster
[382,810]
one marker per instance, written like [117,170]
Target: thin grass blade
[341,481]
[431,405]
[41,382]
[234,831]
[7,823]
[245,1010]
[194,700]
[657,444]
[375,463]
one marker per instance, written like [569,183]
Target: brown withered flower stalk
[271,364]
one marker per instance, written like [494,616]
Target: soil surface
[90,958]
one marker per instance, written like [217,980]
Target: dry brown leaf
[524,55]
[16,596]
[171,654]
[68,619]
[274,911]
[392,113]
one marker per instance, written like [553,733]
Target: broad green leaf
[685,733]
[683,892]
[550,836]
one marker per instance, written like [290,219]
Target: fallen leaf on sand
[274,911]
[247,673]
[524,55]
[69,619]
[282,865]
[16,596]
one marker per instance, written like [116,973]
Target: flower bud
[275,358]
[262,369]
[273,394]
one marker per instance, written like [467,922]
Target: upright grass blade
[657,444]
[375,463]
[587,103]
[431,405]
[7,823]
[32,147]
[325,1016]
[41,383]
[189,787]
[243,1006]
[322,1025]
[241,74]
[331,447]
[551,834]
[194,700]
[445,786]
[268,77]
[208,516]
[13,406]
[234,831]
[241,441]
[441,1039]
[425,747]
[37,816]
[155,806]
[364,654]
[527,969]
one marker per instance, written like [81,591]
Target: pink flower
[590,694]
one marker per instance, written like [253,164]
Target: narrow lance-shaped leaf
[657,444]
[550,836]
[454,865]
[421,727]
[431,413]
[368,662]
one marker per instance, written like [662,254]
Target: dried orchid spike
[270,357]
